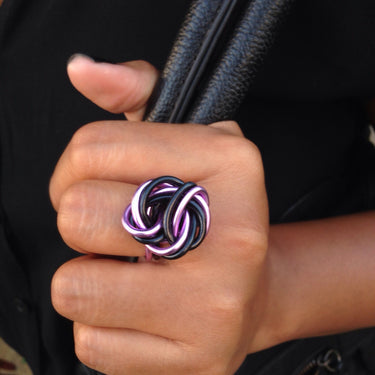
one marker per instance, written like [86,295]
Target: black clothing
[306,113]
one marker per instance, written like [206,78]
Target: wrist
[274,323]
[319,278]
[277,324]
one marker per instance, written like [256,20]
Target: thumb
[117,88]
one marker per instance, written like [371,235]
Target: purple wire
[181,221]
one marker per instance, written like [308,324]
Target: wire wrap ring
[168,216]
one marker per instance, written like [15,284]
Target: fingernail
[79,55]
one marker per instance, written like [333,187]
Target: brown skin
[247,287]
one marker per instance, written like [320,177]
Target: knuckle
[85,344]
[72,220]
[251,243]
[238,151]
[117,104]
[88,133]
[228,307]
[229,127]
[88,152]
[225,311]
[80,159]
[144,66]
[247,152]
[64,291]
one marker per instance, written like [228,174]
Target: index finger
[135,152]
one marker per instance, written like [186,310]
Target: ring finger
[89,218]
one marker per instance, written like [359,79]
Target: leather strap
[215,59]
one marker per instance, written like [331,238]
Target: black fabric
[311,95]
[306,113]
[39,112]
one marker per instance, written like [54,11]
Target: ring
[169,216]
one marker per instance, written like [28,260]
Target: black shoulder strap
[215,59]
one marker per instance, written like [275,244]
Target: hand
[200,314]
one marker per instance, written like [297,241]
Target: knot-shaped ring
[168,216]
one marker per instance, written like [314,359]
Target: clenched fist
[200,314]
